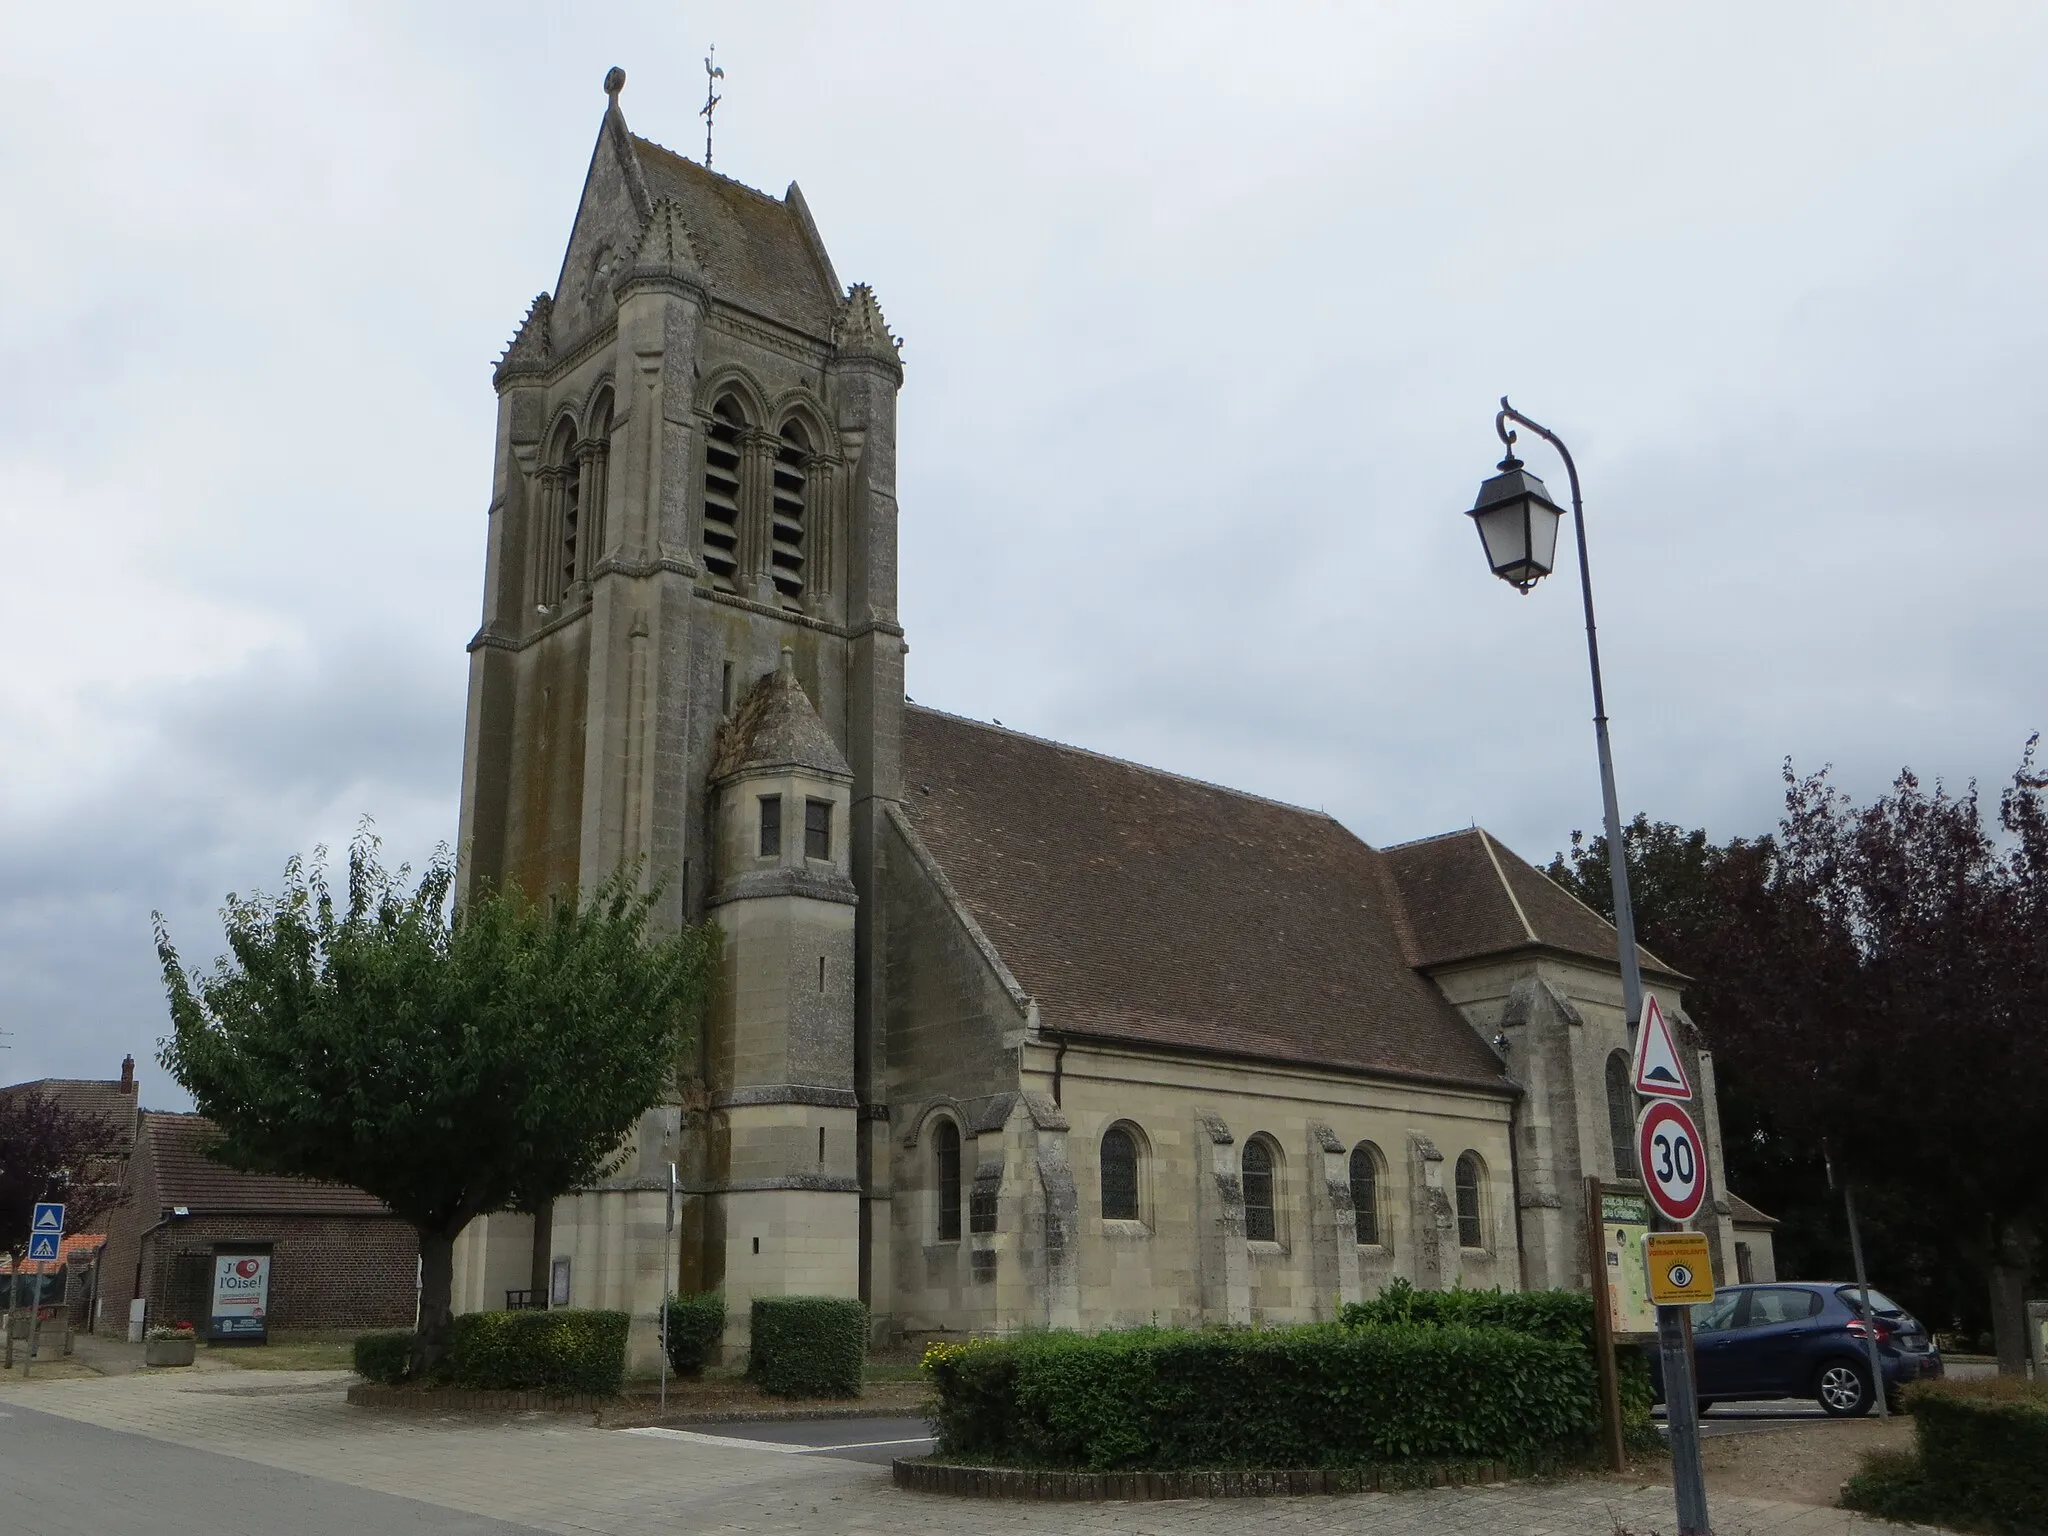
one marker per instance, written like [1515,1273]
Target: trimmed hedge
[808,1346]
[695,1325]
[384,1358]
[562,1352]
[1565,1317]
[1982,1458]
[1313,1396]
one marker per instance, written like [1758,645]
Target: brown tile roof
[88,1096]
[186,1176]
[1468,896]
[1137,905]
[1743,1214]
[755,249]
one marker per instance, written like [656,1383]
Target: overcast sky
[1206,311]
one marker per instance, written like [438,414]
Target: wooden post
[1603,1328]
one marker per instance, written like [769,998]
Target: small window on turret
[771,826]
[817,829]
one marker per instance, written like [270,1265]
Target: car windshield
[1717,1315]
[1880,1303]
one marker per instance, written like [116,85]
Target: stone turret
[780,1043]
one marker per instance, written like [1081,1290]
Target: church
[1008,1033]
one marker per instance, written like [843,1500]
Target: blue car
[1803,1339]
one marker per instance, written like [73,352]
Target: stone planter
[169,1351]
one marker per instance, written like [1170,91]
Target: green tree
[450,1060]
[1874,978]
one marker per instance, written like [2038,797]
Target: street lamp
[1517,524]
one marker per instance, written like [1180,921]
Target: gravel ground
[1806,1465]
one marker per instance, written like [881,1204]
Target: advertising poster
[241,1298]
[1625,1223]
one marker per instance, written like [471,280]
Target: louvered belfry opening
[722,494]
[786,546]
[559,510]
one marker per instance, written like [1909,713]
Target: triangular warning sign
[1656,1070]
[49,1218]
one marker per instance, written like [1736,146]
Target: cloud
[1205,321]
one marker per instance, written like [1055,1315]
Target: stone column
[1054,1222]
[1434,1218]
[757,501]
[1332,1226]
[1224,1262]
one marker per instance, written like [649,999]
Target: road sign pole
[35,1325]
[1884,1407]
[1603,1328]
[1682,1414]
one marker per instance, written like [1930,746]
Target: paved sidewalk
[554,1473]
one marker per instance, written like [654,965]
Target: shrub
[561,1352]
[808,1346]
[695,1324]
[1982,1458]
[1888,1484]
[384,1357]
[1318,1395]
[1564,1317]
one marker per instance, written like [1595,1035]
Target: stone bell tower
[693,502]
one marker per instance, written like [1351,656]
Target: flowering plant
[172,1331]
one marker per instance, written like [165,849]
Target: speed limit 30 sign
[1672,1157]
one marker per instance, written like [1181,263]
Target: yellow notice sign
[1681,1268]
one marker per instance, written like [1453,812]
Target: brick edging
[370,1394]
[924,1476]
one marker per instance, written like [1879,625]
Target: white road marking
[781,1448]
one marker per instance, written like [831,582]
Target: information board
[241,1298]
[1625,1222]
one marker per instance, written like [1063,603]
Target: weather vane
[712,75]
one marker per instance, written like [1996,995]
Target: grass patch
[308,1350]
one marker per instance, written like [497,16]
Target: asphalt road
[59,1477]
[879,1440]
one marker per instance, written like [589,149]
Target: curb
[919,1475]
[369,1394]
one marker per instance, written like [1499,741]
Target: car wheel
[1843,1388]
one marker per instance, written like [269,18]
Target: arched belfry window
[1261,1220]
[722,450]
[1119,1175]
[560,510]
[786,551]
[1365,1192]
[946,1161]
[1471,1201]
[594,454]
[1621,1123]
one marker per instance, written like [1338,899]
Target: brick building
[339,1258]
[76,1278]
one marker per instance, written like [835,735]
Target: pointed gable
[756,252]
[1468,897]
[1136,905]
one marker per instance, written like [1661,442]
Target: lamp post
[1517,522]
